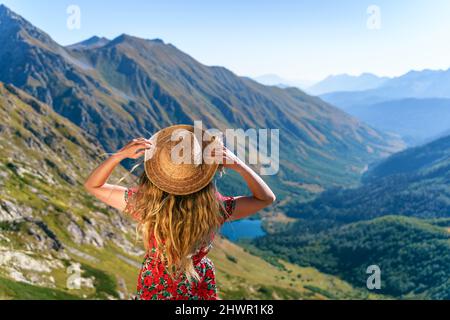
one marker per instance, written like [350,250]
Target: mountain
[416,120]
[414,84]
[345,82]
[49,224]
[399,103]
[275,80]
[91,43]
[272,80]
[414,183]
[413,255]
[418,84]
[132,87]
[438,136]
[421,160]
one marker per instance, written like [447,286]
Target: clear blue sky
[294,39]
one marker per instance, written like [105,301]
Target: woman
[178,211]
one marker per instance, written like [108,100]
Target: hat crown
[175,162]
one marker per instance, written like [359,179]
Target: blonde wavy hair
[180,225]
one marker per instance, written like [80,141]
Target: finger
[137,140]
[142,142]
[131,143]
[139,154]
[138,144]
[140,147]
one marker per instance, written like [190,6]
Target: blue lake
[242,229]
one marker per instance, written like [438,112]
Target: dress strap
[228,205]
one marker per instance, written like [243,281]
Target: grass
[252,277]
[23,291]
[105,285]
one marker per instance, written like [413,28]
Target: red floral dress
[154,282]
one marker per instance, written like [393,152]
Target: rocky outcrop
[25,267]
[9,211]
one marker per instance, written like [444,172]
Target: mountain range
[415,105]
[345,82]
[414,84]
[275,80]
[126,87]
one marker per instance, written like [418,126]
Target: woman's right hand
[134,149]
[230,160]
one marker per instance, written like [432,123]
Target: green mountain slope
[242,274]
[412,254]
[411,183]
[47,221]
[129,87]
[419,160]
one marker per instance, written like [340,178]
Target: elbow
[87,187]
[270,199]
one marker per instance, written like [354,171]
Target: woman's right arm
[96,184]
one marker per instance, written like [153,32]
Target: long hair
[176,226]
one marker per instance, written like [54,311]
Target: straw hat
[175,162]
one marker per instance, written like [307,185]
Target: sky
[296,40]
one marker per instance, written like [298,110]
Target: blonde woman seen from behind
[178,211]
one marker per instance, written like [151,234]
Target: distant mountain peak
[94,39]
[350,76]
[12,24]
[126,38]
[347,82]
[157,40]
[271,79]
[7,14]
[5,10]
[92,42]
